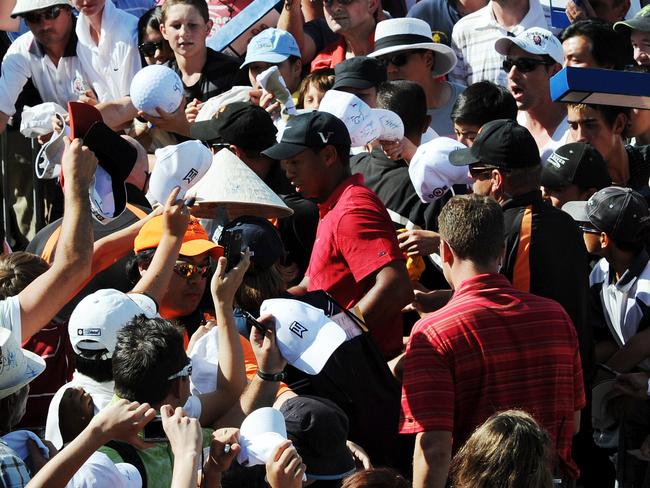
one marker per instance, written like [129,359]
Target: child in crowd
[313,87]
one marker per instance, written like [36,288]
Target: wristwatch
[281,376]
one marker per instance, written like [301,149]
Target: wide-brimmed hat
[17,366]
[405,34]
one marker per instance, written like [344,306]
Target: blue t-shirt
[439,14]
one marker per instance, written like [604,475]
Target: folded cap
[82,117]
[239,123]
[260,434]
[99,470]
[407,33]
[311,130]
[271,46]
[37,120]
[359,72]
[534,41]
[576,163]
[261,238]
[431,172]
[640,22]
[319,431]
[97,319]
[24,6]
[195,240]
[17,366]
[306,336]
[182,165]
[619,212]
[47,164]
[501,143]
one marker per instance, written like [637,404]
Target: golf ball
[156,86]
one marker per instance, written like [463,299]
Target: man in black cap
[544,252]
[247,130]
[574,172]
[360,76]
[356,257]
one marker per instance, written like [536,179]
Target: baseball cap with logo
[534,41]
[24,6]
[97,319]
[263,240]
[640,22]
[619,212]
[182,165]
[576,163]
[501,143]
[306,336]
[359,72]
[271,46]
[430,171]
[313,130]
[195,240]
[240,123]
[17,366]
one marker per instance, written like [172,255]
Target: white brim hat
[260,435]
[534,41]
[17,366]
[24,6]
[406,34]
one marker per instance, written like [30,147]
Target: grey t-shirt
[440,117]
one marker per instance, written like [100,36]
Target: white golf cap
[24,6]
[364,124]
[405,34]
[259,436]
[99,470]
[17,366]
[534,41]
[97,319]
[305,335]
[431,172]
[182,165]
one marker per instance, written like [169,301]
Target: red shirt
[491,348]
[355,238]
[333,54]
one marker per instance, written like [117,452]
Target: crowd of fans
[373,251]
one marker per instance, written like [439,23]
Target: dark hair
[610,49]
[147,352]
[200,5]
[609,112]
[91,364]
[473,227]
[484,102]
[17,270]
[323,79]
[408,100]
[143,258]
[376,478]
[151,19]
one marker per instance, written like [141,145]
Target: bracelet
[281,376]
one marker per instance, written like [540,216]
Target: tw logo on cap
[191,174]
[298,329]
[93,332]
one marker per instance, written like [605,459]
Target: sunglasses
[187,270]
[328,3]
[183,373]
[149,49]
[38,16]
[524,65]
[398,60]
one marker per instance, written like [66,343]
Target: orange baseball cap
[195,240]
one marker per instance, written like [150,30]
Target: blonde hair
[509,450]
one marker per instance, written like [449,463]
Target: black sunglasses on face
[38,16]
[397,60]
[149,49]
[524,65]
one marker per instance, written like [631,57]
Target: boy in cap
[360,76]
[639,30]
[574,172]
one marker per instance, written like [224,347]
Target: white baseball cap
[24,6]
[259,436]
[17,366]
[182,165]
[534,41]
[364,124]
[431,172]
[99,470]
[305,335]
[97,319]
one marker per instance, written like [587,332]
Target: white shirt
[112,64]
[473,41]
[558,138]
[10,317]
[25,59]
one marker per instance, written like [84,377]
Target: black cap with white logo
[577,163]
[312,130]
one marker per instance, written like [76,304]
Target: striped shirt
[491,348]
[473,41]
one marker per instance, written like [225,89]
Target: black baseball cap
[577,163]
[239,123]
[312,130]
[619,212]
[501,143]
[261,238]
[359,72]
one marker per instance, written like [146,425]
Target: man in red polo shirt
[355,257]
[491,348]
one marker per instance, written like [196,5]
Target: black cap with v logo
[312,130]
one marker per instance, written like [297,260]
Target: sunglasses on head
[149,49]
[38,16]
[397,60]
[328,3]
[524,65]
[187,270]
